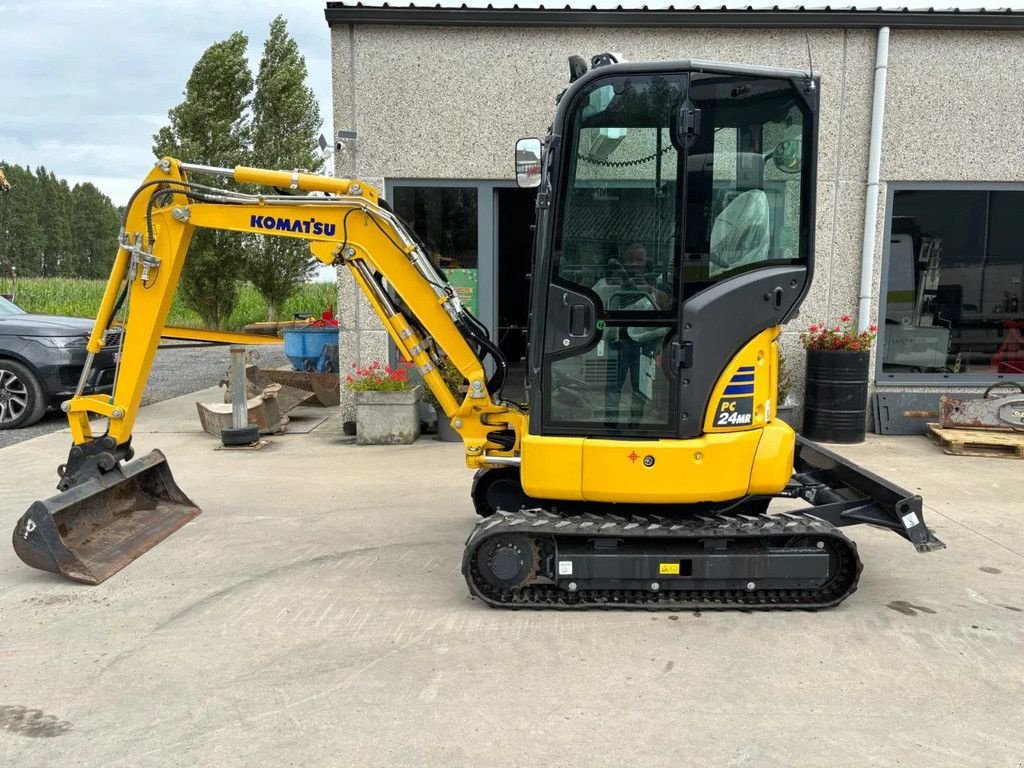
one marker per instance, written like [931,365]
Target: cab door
[613,298]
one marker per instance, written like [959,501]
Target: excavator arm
[346,224]
[112,509]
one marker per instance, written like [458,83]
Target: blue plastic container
[304,347]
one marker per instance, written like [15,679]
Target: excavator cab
[670,235]
[675,235]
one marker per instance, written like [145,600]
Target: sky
[84,85]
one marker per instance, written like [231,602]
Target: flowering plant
[378,378]
[843,337]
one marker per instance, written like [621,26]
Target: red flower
[843,336]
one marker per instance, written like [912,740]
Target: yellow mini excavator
[674,235]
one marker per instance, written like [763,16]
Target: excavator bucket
[92,530]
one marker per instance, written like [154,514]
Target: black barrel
[836,398]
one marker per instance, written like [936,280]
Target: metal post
[239,412]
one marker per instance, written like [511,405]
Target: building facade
[438,95]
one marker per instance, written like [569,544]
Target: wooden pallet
[978,442]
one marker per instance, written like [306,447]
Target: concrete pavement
[315,615]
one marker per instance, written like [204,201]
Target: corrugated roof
[893,6]
[735,14]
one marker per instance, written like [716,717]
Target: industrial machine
[674,235]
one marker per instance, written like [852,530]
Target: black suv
[41,360]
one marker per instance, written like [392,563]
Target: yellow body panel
[552,467]
[709,468]
[729,461]
[773,462]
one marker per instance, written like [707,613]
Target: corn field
[81,298]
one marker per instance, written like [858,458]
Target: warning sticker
[565,567]
[668,569]
[910,520]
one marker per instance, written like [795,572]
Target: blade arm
[844,493]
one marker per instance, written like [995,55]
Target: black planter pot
[836,397]
[445,431]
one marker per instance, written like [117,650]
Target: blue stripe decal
[742,377]
[746,369]
[739,389]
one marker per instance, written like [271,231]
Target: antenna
[810,64]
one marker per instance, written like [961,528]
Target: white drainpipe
[867,258]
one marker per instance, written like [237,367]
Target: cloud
[87,84]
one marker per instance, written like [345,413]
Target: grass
[81,298]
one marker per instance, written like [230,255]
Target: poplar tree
[58,241]
[21,221]
[286,125]
[49,229]
[211,127]
[94,226]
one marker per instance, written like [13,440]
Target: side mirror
[528,163]
[788,156]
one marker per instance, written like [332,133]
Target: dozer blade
[844,493]
[92,530]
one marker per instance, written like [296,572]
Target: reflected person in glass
[626,287]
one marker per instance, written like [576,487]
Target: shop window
[953,303]
[445,218]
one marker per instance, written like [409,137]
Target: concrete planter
[387,418]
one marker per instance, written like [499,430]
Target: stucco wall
[436,102]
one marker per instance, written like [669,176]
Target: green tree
[95,223]
[211,127]
[286,123]
[58,250]
[21,222]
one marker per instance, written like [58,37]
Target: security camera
[339,145]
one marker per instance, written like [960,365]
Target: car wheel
[22,400]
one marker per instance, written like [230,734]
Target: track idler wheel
[507,561]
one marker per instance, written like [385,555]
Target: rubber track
[541,523]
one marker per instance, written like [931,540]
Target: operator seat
[741,233]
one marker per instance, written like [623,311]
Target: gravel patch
[178,369]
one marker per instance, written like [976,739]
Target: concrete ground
[315,615]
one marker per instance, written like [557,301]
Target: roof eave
[340,13]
